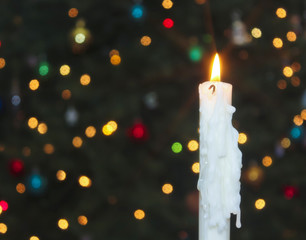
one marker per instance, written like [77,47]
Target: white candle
[220,160]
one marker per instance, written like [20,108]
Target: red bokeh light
[138,132]
[290,192]
[168,23]
[4,205]
[16,167]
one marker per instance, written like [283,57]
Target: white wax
[220,162]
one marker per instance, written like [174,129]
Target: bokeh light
[63,224]
[296,132]
[4,205]
[277,43]
[66,94]
[32,122]
[295,81]
[42,128]
[137,11]
[296,66]
[73,12]
[20,188]
[298,120]
[196,167]
[90,131]
[168,23]
[113,52]
[109,128]
[84,181]
[145,41]
[256,33]
[285,142]
[43,69]
[49,148]
[139,214]
[303,114]
[193,145]
[282,84]
[291,36]
[267,161]
[34,238]
[61,175]
[281,13]
[34,84]
[85,79]
[115,60]
[77,142]
[177,147]
[113,124]
[3,228]
[2,63]
[242,138]
[80,38]
[64,70]
[167,4]
[260,204]
[287,71]
[1,210]
[195,53]
[82,220]
[167,188]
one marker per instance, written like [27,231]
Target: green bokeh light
[43,69]
[195,53]
[177,147]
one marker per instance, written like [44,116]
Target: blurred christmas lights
[3,228]
[242,138]
[4,205]
[296,66]
[90,131]
[167,188]
[85,181]
[291,36]
[177,147]
[295,81]
[277,43]
[85,79]
[296,132]
[115,60]
[20,188]
[77,142]
[139,214]
[2,63]
[195,53]
[267,161]
[73,12]
[64,70]
[137,11]
[34,238]
[32,122]
[281,13]
[196,167]
[66,94]
[48,148]
[167,4]
[282,84]
[287,71]
[113,52]
[256,33]
[61,175]
[63,224]
[82,220]
[34,84]
[285,142]
[303,114]
[36,183]
[145,41]
[43,69]
[168,23]
[298,120]
[193,145]
[42,128]
[260,204]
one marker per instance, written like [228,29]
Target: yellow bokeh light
[298,120]
[303,114]
[167,4]
[42,128]
[109,128]
[64,70]
[73,12]
[20,188]
[282,84]
[277,43]
[32,122]
[113,52]
[291,36]
[48,148]
[1,210]
[295,81]
[287,71]
[34,84]
[82,220]
[281,13]
[90,131]
[167,188]
[3,228]
[256,33]
[66,94]
[253,174]
[145,41]
[77,142]
[63,224]
[242,138]
[85,79]
[84,181]
[195,167]
[113,124]
[61,175]
[139,214]
[80,38]
[193,145]
[26,151]
[285,142]
[267,161]
[260,204]
[2,63]
[115,60]
[34,238]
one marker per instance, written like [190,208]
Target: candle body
[220,162]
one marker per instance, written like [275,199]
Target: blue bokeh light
[296,132]
[137,11]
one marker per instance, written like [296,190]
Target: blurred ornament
[253,175]
[137,11]
[150,100]
[80,37]
[240,36]
[138,132]
[192,201]
[16,167]
[290,192]
[71,116]
[36,183]
[195,53]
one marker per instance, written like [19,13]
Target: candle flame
[215,73]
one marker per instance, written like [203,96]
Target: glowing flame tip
[215,73]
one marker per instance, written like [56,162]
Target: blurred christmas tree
[99,115]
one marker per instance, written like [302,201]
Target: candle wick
[214,88]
